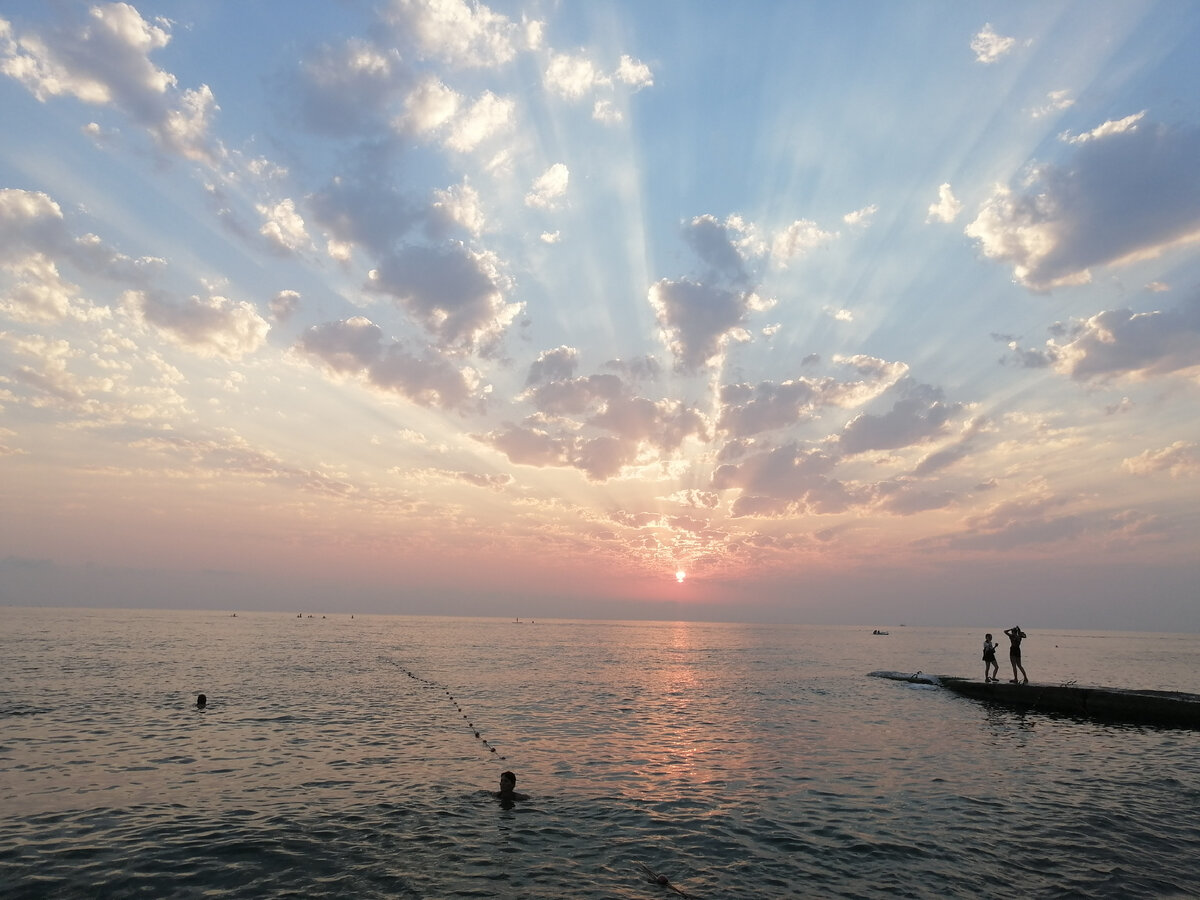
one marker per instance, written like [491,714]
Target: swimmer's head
[201,702]
[508,781]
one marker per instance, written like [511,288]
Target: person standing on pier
[991,668]
[1015,635]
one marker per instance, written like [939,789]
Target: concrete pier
[1169,709]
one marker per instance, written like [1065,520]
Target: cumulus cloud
[105,61]
[790,479]
[698,320]
[1056,101]
[1120,342]
[466,35]
[454,292]
[283,227]
[1128,192]
[356,347]
[919,415]
[284,304]
[1181,460]
[549,187]
[575,77]
[571,77]
[861,217]
[370,212]
[797,240]
[329,76]
[207,326]
[487,116]
[459,204]
[989,46]
[558,364]
[947,207]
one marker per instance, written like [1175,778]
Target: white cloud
[284,227]
[947,207]
[430,105]
[487,116]
[460,204]
[105,61]
[570,77]
[604,111]
[466,35]
[1108,129]
[861,216]
[1056,101]
[549,187]
[990,46]
[797,240]
[634,73]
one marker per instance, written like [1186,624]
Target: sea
[356,756]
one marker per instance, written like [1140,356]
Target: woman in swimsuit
[1015,634]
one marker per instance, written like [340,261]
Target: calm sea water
[742,761]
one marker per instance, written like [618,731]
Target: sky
[881,313]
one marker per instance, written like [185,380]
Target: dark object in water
[201,701]
[655,878]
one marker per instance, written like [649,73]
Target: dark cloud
[1131,188]
[1121,342]
[349,89]
[553,365]
[355,347]
[711,241]
[697,319]
[916,417]
[453,292]
[210,326]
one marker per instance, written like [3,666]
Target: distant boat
[877,631]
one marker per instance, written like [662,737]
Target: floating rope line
[444,689]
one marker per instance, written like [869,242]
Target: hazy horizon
[816,313]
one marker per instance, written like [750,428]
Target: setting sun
[680,575]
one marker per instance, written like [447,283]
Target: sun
[680,575]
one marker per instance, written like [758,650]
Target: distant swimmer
[1015,636]
[656,878]
[508,789]
[201,702]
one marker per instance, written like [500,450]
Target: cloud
[571,77]
[487,116]
[1056,101]
[947,207]
[697,320]
[861,217]
[747,410]
[797,240]
[1124,343]
[356,347]
[634,73]
[284,305]
[454,292]
[989,46]
[558,364]
[1128,192]
[458,204]
[919,415]
[549,187]
[209,326]
[465,35]
[1181,460]
[105,61]
[349,88]
[784,480]
[283,227]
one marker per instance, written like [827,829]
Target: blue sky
[809,312]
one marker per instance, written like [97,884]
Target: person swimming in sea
[201,701]
[508,789]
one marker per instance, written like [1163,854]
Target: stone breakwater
[1170,709]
